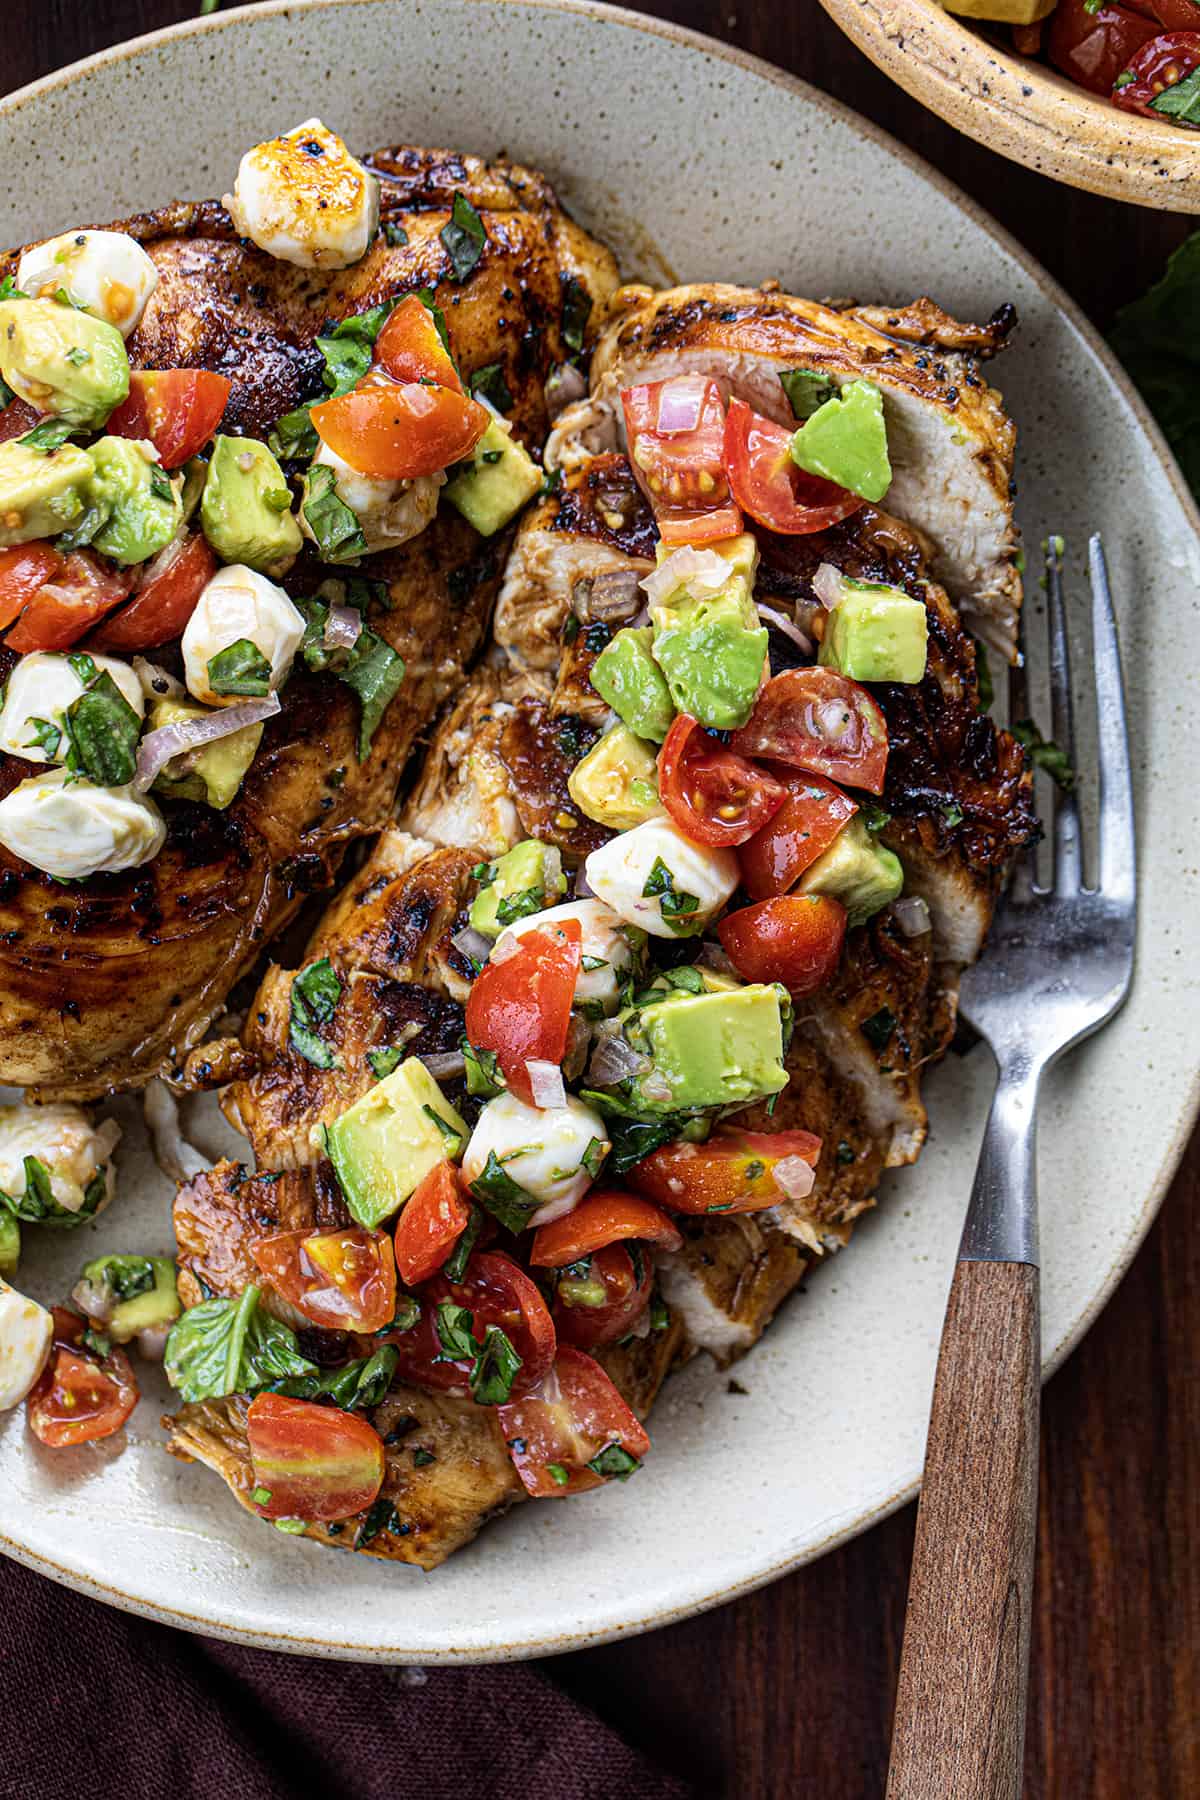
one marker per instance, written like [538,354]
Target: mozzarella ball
[26,1334]
[107,273]
[389,512]
[303,198]
[602,939]
[72,829]
[72,1150]
[43,686]
[621,870]
[239,603]
[549,1148]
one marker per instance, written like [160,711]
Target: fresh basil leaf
[10,291]
[382,1516]
[879,1029]
[1182,100]
[463,236]
[426,297]
[454,1330]
[394,234]
[484,1079]
[512,907]
[1158,340]
[6,394]
[614,1463]
[558,1474]
[316,991]
[406,1315]
[874,816]
[375,672]
[77,356]
[503,1197]
[497,1366]
[382,1062]
[576,311]
[46,737]
[125,1277]
[806,391]
[160,485]
[1044,753]
[103,730]
[422,1457]
[335,527]
[455,1265]
[230,1347]
[348,348]
[687,978]
[593,1157]
[294,435]
[449,1131]
[489,384]
[676,904]
[633,1138]
[50,435]
[356,1387]
[241,668]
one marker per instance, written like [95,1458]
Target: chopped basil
[687,977]
[335,527]
[102,728]
[382,1516]
[241,668]
[484,873]
[497,1366]
[455,1264]
[504,1198]
[675,904]
[874,816]
[484,1080]
[1182,101]
[879,1028]
[634,1138]
[294,435]
[10,291]
[229,1347]
[593,1157]
[426,297]
[407,1314]
[394,234]
[557,1474]
[356,1387]
[375,673]
[382,1062]
[445,1127]
[49,435]
[37,1205]
[614,1463]
[455,1334]
[46,736]
[1044,753]
[589,964]
[315,994]
[347,350]
[805,390]
[260,1496]
[77,356]
[463,236]
[127,1276]
[952,814]
[160,486]
[845,1153]
[576,311]
[660,1315]
[422,1457]
[489,384]
[519,906]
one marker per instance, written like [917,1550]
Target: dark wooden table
[790,1692]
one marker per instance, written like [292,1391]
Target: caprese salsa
[1143,55]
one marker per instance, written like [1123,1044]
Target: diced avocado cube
[522,881]
[140,1290]
[42,493]
[616,783]
[857,870]
[846,441]
[63,361]
[141,506]
[389,1140]
[875,633]
[712,660]
[246,507]
[1003,12]
[627,676]
[10,1244]
[500,478]
[723,1047]
[218,769]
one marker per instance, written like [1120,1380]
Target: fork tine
[1067,860]
[1023,881]
[1117,844]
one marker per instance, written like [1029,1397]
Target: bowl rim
[1156,1189]
[1023,109]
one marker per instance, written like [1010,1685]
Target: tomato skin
[79,1396]
[1161,64]
[398,431]
[566,1423]
[627,1295]
[795,938]
[603,1216]
[1093,48]
[521,1008]
[768,485]
[344,1280]
[432,1221]
[714,795]
[813,813]
[16,419]
[819,720]
[23,570]
[316,1462]
[680,471]
[177,409]
[410,347]
[162,607]
[732,1172]
[497,1292]
[63,609]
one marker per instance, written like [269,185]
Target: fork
[1058,966]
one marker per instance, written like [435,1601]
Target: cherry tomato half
[165,601]
[344,1280]
[812,814]
[819,720]
[675,430]
[1156,68]
[604,1304]
[714,795]
[63,609]
[495,1292]
[410,347]
[79,1396]
[555,1433]
[603,1216]
[1093,47]
[23,570]
[177,409]
[16,419]
[434,1218]
[311,1462]
[521,1008]
[768,485]
[397,431]
[795,938]
[732,1172]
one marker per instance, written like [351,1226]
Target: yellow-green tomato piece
[845,441]
[62,361]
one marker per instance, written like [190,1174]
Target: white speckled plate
[692,160]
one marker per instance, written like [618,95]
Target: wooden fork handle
[959,1728]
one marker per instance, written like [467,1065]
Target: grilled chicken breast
[106,983]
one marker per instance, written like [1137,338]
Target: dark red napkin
[99,1703]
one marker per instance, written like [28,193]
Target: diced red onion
[443,1065]
[97,1303]
[472,944]
[158,748]
[679,404]
[657,1087]
[583,889]
[911,915]
[702,572]
[614,1060]
[158,565]
[827,585]
[343,627]
[545,1083]
[564,385]
[794,1176]
[153,1341]
[782,623]
[712,956]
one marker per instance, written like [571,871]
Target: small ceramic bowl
[1023,108]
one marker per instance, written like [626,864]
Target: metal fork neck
[1002,1222]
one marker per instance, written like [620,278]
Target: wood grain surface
[790,1691]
